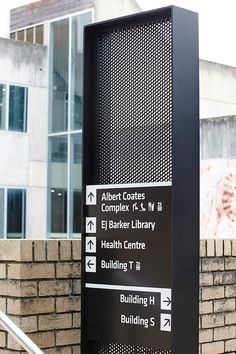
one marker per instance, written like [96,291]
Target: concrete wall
[217,90]
[217,137]
[106,9]
[23,158]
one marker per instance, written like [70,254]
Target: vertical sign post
[140,235]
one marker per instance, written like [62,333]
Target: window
[39,34]
[31,34]
[12,213]
[58,152]
[76,213]
[13,35]
[60,182]
[65,126]
[76,102]
[1,213]
[59,211]
[2,106]
[59,79]
[75,184]
[59,149]
[17,108]
[21,35]
[13,115]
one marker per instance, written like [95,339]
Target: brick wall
[218,297]
[40,290]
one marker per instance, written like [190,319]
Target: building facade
[40,178]
[23,142]
[41,100]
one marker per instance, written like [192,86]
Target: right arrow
[168,301]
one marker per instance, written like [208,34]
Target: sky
[217,24]
[5,7]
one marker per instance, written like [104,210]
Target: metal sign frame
[185,166]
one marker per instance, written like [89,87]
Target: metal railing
[19,335]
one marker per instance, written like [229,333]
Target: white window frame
[25,125]
[6,104]
[27,27]
[5,195]
[68,132]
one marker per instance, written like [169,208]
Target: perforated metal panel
[134,112]
[127,349]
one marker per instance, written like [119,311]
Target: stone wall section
[217,332]
[40,288]
[40,291]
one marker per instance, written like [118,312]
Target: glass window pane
[76,213]
[58,212]
[58,150]
[39,34]
[1,213]
[13,35]
[2,106]
[30,35]
[78,24]
[15,213]
[18,108]
[76,176]
[58,100]
[20,35]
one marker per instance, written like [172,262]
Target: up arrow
[91,196]
[90,224]
[90,244]
[168,301]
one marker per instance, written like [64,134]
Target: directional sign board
[140,236]
[130,271]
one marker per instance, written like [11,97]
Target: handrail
[19,335]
